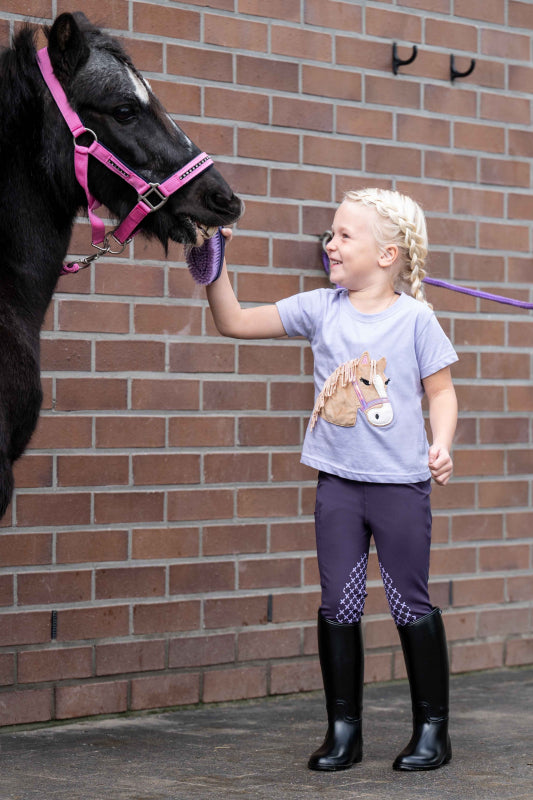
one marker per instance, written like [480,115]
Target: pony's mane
[18,68]
[23,41]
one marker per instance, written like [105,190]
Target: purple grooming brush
[205,262]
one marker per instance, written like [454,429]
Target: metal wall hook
[453,72]
[398,62]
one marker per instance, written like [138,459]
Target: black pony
[39,194]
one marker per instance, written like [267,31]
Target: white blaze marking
[140,89]
[142,93]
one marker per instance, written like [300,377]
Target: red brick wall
[161,510]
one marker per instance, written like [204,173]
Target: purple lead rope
[496,298]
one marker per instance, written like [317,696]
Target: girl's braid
[407,228]
[416,245]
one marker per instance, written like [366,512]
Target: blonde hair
[400,221]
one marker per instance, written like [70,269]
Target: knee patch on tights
[354,593]
[401,612]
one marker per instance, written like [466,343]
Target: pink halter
[150,196]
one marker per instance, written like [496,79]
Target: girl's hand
[440,464]
[443,419]
[227,233]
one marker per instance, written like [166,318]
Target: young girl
[376,352]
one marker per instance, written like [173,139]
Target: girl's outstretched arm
[260,322]
[443,420]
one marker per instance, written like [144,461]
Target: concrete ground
[258,750]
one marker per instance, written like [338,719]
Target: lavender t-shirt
[394,350]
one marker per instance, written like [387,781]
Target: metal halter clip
[87,260]
[71,267]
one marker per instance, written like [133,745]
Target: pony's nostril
[218,201]
[214,200]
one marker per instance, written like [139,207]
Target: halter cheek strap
[150,196]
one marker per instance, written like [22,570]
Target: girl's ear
[388,256]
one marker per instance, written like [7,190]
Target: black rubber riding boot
[426,659]
[340,647]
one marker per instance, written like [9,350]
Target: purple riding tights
[398,516]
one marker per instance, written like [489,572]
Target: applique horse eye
[367,383]
[357,384]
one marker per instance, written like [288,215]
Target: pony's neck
[38,191]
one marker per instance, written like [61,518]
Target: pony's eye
[363,380]
[124,113]
[387,381]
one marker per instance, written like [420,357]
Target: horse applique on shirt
[357,384]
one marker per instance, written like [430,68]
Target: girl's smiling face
[354,254]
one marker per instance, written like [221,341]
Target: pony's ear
[67,47]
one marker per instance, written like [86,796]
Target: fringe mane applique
[346,373]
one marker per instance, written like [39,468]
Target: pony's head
[113,100]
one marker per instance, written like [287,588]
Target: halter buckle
[158,200]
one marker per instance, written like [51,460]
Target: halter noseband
[150,196]
[368,404]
